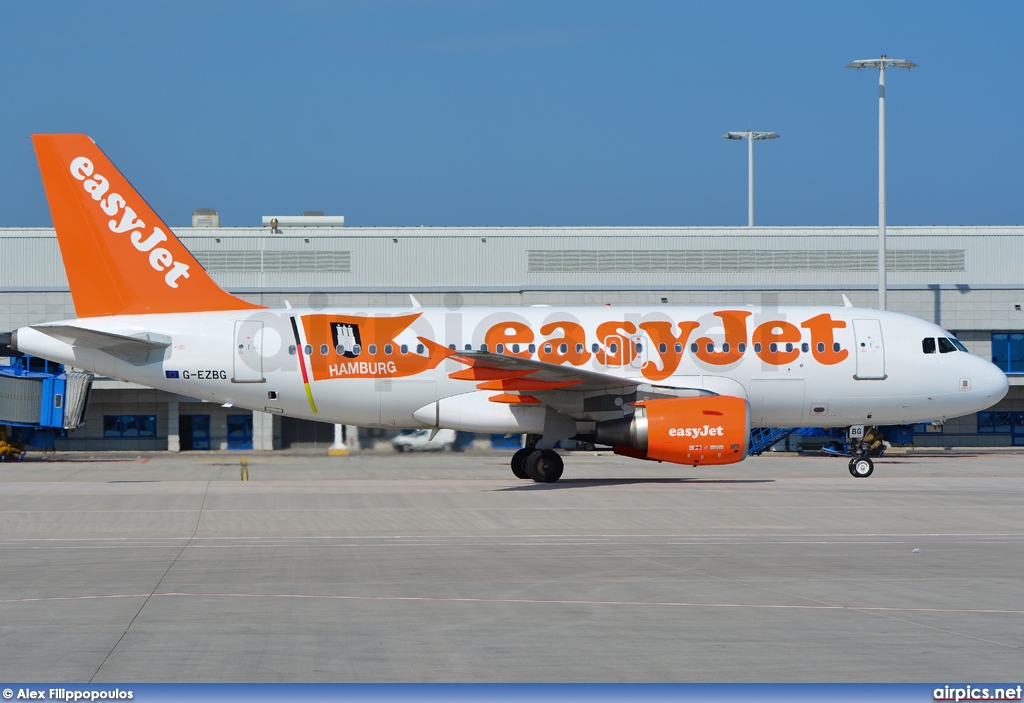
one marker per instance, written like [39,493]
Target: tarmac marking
[524,601]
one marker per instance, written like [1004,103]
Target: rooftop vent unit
[205,217]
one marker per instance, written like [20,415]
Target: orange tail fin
[120,258]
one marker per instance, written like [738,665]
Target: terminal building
[970,280]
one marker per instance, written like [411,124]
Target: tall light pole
[881,64]
[751,137]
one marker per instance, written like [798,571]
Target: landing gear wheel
[519,461]
[861,467]
[544,466]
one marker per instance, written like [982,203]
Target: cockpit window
[958,344]
[946,346]
[928,345]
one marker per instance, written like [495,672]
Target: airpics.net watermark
[70,695]
[977,693]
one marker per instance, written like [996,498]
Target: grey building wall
[967,279]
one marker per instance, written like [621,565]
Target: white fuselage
[797,366]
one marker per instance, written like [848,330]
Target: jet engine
[708,430]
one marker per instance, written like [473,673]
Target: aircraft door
[870,352]
[640,352]
[248,357]
[615,350]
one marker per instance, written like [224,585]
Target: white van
[420,441]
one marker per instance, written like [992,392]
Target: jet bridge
[38,400]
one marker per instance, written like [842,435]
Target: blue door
[194,432]
[239,431]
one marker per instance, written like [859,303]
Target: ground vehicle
[422,441]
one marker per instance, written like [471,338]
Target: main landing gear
[542,465]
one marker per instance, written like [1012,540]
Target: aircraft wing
[579,393]
[514,371]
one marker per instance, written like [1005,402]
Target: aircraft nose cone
[992,383]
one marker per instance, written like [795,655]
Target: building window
[990,422]
[126,426]
[1008,351]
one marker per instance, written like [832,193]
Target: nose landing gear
[861,445]
[861,467]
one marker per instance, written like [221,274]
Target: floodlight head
[756,136]
[882,63]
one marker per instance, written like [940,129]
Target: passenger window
[679,348]
[340,350]
[324,349]
[308,349]
[579,348]
[725,347]
[483,347]
[741,347]
[821,347]
[835,346]
[515,348]
[945,346]
[805,347]
[757,347]
[356,349]
[595,347]
[613,348]
[639,347]
[928,345]
[563,348]
[532,348]
[372,349]
[694,347]
[404,348]
[420,349]
[388,349]
[291,349]
[500,348]
[710,346]
[547,348]
[662,347]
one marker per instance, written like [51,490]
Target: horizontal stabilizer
[133,348]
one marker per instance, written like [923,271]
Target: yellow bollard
[245,469]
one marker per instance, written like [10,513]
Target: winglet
[119,256]
[846,302]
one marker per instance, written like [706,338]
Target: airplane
[683,385]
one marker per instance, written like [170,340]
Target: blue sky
[466,113]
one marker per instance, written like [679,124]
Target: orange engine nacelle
[693,431]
